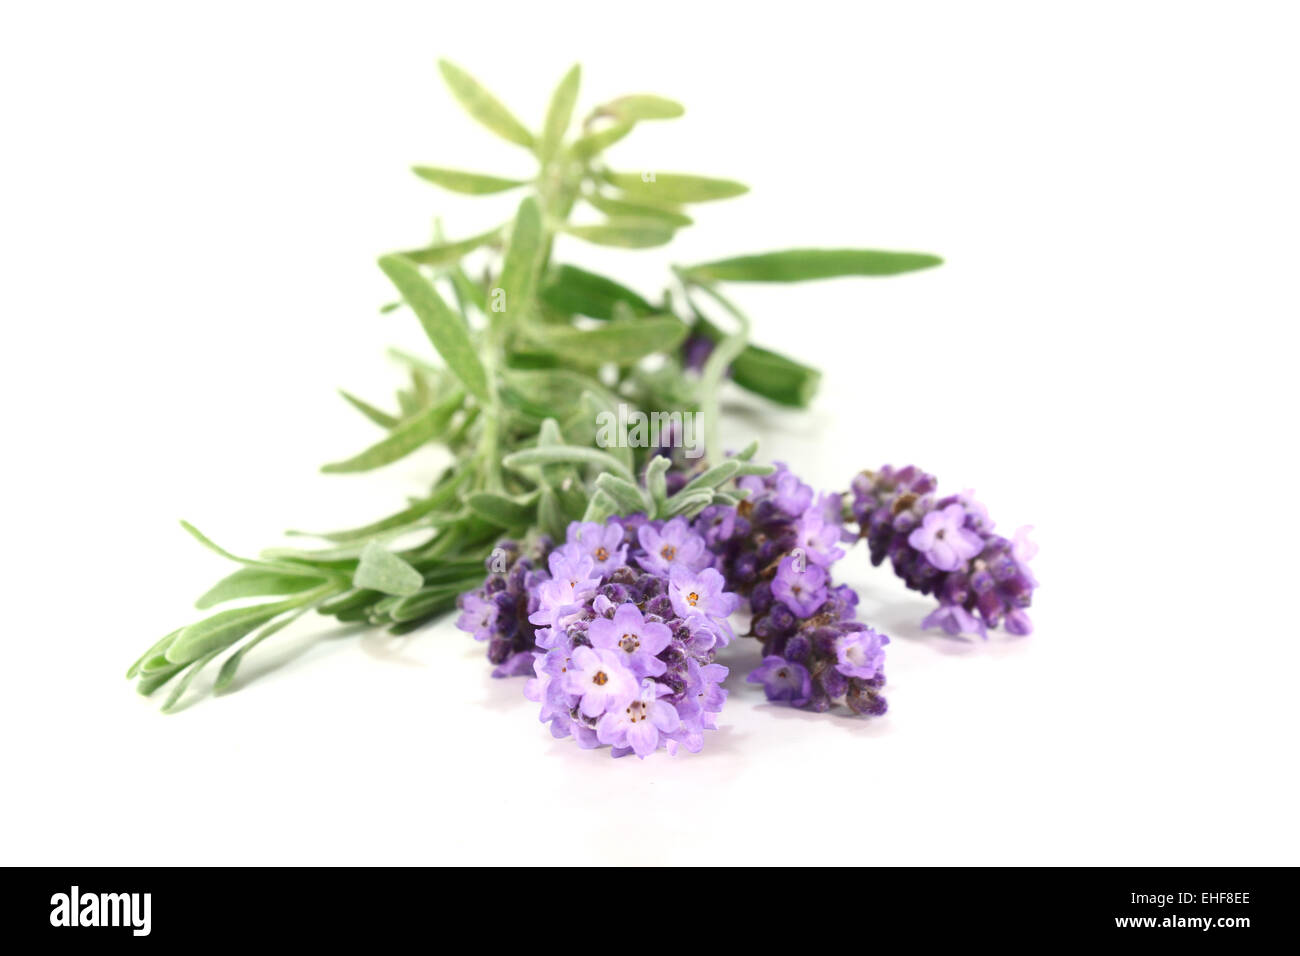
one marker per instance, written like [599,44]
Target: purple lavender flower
[802,589]
[860,653]
[600,678]
[642,722]
[673,545]
[944,541]
[638,641]
[603,543]
[613,661]
[478,616]
[776,549]
[700,592]
[783,680]
[946,547]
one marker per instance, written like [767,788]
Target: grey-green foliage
[527,354]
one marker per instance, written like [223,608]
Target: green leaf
[623,493]
[459,181]
[591,144]
[715,477]
[376,415]
[656,483]
[154,651]
[502,510]
[615,208]
[569,289]
[519,270]
[767,373]
[483,106]
[151,682]
[675,187]
[559,114]
[402,440]
[600,507]
[688,503]
[381,570]
[441,253]
[231,664]
[550,518]
[625,233]
[183,685]
[255,582]
[565,454]
[445,328]
[642,106]
[622,342]
[799,265]
[222,629]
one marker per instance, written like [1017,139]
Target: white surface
[192,202]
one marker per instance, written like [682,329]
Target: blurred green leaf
[446,329]
[571,290]
[519,271]
[614,207]
[621,342]
[483,106]
[625,233]
[444,252]
[559,114]
[642,106]
[378,416]
[590,144]
[799,265]
[475,184]
[504,511]
[675,187]
[222,629]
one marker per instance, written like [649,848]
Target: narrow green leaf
[183,685]
[402,440]
[460,181]
[156,650]
[445,328]
[549,516]
[642,106]
[622,342]
[614,207]
[441,253]
[600,507]
[715,477]
[427,602]
[625,233]
[569,289]
[222,629]
[559,114]
[688,503]
[483,106]
[231,664]
[675,187]
[519,270]
[502,510]
[381,570]
[376,415]
[623,493]
[656,482]
[152,681]
[590,144]
[256,582]
[799,265]
[570,454]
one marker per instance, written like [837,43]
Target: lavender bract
[946,547]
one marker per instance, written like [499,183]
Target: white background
[193,197]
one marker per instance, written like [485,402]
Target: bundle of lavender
[617,538]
